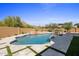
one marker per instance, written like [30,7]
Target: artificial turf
[73,49]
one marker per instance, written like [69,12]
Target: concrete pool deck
[59,48]
[17,50]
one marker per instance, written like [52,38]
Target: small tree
[51,26]
[67,26]
[8,21]
[2,23]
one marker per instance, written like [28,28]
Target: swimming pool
[32,39]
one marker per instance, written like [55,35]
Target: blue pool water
[32,39]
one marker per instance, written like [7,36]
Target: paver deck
[61,44]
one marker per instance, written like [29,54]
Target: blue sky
[41,13]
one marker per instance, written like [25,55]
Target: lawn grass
[32,49]
[9,51]
[73,49]
[19,50]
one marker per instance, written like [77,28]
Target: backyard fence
[10,31]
